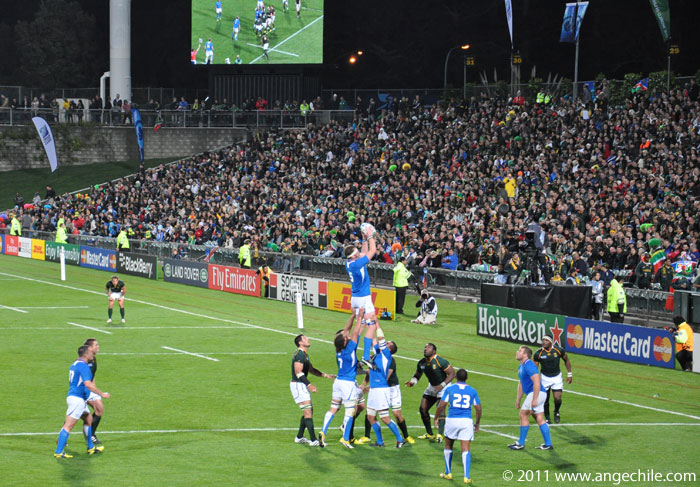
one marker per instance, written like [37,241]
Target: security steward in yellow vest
[61,234]
[401,276]
[683,336]
[15,227]
[122,240]
[540,97]
[617,301]
[265,272]
[244,255]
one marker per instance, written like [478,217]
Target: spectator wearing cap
[401,277]
[428,309]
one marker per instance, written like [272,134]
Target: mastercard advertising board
[617,341]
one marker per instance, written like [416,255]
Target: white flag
[509,18]
[47,138]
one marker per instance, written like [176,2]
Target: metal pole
[576,26]
[464,82]
[447,58]
[576,73]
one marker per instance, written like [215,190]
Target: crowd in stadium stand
[453,185]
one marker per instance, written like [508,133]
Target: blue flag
[138,125]
[573,17]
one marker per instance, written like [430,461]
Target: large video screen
[257,32]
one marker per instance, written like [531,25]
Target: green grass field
[294,41]
[226,416]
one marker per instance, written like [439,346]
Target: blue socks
[62,440]
[448,461]
[327,421]
[368,346]
[467,461]
[395,429]
[544,429]
[378,432]
[523,434]
[348,428]
[90,444]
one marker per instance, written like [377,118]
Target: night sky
[405,42]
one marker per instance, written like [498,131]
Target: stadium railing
[181,118]
[649,303]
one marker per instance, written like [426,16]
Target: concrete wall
[21,148]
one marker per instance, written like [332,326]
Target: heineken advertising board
[519,326]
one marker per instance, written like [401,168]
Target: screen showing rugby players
[257,32]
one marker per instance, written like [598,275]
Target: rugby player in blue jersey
[345,388]
[529,386]
[459,424]
[356,267]
[79,387]
[379,398]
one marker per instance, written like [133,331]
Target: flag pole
[576,57]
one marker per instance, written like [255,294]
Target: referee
[548,357]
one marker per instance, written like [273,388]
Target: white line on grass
[52,307]
[90,328]
[245,430]
[207,353]
[191,353]
[201,316]
[498,433]
[288,38]
[136,328]
[13,309]
[273,49]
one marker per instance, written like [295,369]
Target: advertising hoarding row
[616,341]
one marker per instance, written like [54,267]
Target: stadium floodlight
[463,47]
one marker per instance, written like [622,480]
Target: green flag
[663,17]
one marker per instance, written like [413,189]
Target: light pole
[447,58]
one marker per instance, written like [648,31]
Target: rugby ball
[368,230]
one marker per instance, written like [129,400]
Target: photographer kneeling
[428,309]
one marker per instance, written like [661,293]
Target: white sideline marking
[90,328]
[13,309]
[236,430]
[200,316]
[498,433]
[52,307]
[138,328]
[273,49]
[208,353]
[285,40]
[191,353]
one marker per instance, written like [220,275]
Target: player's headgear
[548,337]
[115,276]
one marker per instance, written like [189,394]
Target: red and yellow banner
[339,295]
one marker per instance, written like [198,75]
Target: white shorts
[113,296]
[395,397]
[300,392]
[266,46]
[378,399]
[555,383]
[93,397]
[459,429]
[210,55]
[77,406]
[348,392]
[539,407]
[237,30]
[362,302]
[218,10]
[433,392]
